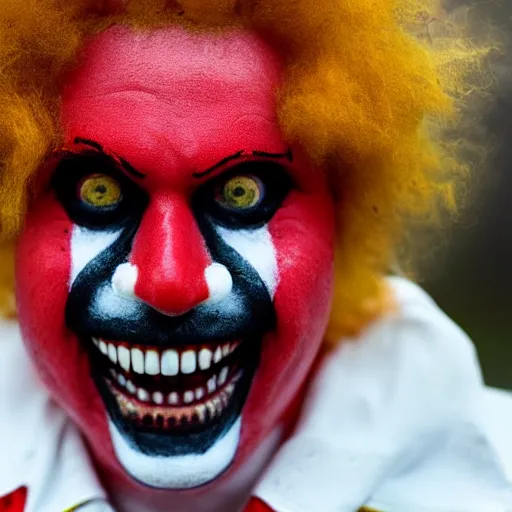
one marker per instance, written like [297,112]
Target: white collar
[43,448]
[397,420]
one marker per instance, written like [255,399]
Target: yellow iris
[100,191]
[241,192]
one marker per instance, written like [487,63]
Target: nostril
[124,280]
[220,282]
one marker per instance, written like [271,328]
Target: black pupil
[101,189]
[239,192]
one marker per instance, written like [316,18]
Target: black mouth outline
[195,439]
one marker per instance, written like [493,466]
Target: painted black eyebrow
[224,161]
[126,166]
[288,156]
[88,142]
[129,168]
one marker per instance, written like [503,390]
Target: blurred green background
[470,275]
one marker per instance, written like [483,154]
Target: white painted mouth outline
[177,472]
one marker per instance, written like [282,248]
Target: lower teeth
[160,415]
[173,398]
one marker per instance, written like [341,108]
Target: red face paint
[180,111]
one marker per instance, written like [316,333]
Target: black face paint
[276,184]
[73,169]
[247,314]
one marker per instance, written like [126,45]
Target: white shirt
[40,448]
[398,419]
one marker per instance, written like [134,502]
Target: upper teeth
[168,362]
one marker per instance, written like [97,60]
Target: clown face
[174,278]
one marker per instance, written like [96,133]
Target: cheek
[303,237]
[42,268]
[303,234]
[42,275]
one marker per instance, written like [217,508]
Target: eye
[100,191]
[245,197]
[96,194]
[241,193]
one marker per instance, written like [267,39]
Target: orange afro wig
[366,93]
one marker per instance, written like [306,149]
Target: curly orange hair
[366,92]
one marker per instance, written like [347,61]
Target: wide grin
[170,390]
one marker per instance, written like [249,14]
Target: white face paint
[124,280]
[220,283]
[87,244]
[178,472]
[257,248]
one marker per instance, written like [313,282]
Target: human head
[183,241]
[340,148]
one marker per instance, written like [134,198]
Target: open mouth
[154,393]
[164,390]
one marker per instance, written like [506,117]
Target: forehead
[171,99]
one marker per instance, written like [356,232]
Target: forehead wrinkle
[211,126]
[172,57]
[256,103]
[206,87]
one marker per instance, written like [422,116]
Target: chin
[174,415]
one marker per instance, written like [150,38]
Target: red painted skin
[171,104]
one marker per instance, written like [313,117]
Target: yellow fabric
[362,95]
[76,507]
[83,505]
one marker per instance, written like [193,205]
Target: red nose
[171,257]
